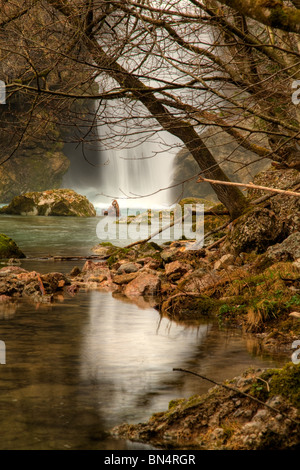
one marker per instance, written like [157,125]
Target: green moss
[284,382]
[278,17]
[42,210]
[119,253]
[263,299]
[174,403]
[192,401]
[195,200]
[155,246]
[19,205]
[9,249]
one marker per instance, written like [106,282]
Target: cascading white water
[134,168]
[137,175]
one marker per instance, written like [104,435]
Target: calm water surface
[76,368]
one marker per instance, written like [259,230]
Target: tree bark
[270,13]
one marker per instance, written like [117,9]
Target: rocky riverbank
[245,275]
[256,411]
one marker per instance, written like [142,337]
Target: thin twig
[236,390]
[269,196]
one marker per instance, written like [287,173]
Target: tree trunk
[230,196]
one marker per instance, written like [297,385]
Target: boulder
[124,278]
[175,270]
[93,269]
[256,230]
[288,250]
[9,249]
[143,285]
[128,268]
[58,202]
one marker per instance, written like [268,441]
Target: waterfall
[137,176]
[133,166]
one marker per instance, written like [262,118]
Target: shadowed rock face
[60,202]
[33,173]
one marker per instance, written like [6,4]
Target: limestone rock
[92,269]
[128,268]
[169,255]
[58,202]
[124,278]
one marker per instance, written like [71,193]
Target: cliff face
[36,159]
[34,126]
[34,169]
[31,156]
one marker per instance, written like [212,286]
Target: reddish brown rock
[92,269]
[144,284]
[124,278]
[175,270]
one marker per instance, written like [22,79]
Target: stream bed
[79,366]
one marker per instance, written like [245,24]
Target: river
[79,366]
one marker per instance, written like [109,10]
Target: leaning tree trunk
[230,196]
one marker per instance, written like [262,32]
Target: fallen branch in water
[221,227]
[162,229]
[67,258]
[236,390]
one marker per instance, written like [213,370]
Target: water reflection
[75,369]
[130,354]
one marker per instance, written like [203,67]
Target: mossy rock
[19,205]
[58,202]
[284,382]
[195,200]
[9,249]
